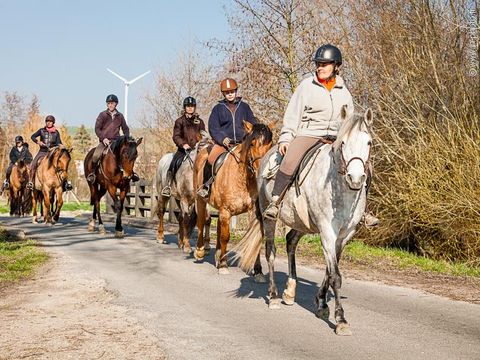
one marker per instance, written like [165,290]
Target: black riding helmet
[112,98]
[18,139]
[50,118]
[328,53]
[189,101]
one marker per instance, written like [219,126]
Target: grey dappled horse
[184,195]
[331,203]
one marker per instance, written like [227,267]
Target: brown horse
[52,172]
[20,197]
[234,190]
[114,172]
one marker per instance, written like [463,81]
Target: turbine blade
[118,76]
[138,77]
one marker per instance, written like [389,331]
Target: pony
[114,172]
[184,195]
[52,172]
[330,200]
[20,197]
[234,190]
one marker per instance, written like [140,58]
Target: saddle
[177,161]
[302,169]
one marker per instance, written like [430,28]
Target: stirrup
[29,185]
[203,192]
[6,185]
[67,186]
[135,177]
[271,212]
[166,191]
[91,178]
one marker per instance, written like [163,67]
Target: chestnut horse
[51,173]
[114,172]
[20,197]
[234,190]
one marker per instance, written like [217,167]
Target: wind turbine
[127,84]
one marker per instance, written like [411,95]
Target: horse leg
[34,207]
[118,209]
[101,227]
[322,311]
[59,202]
[184,224]
[224,226]
[46,206]
[201,207]
[208,222]
[258,276]
[329,243]
[270,251]
[12,200]
[93,199]
[161,213]
[293,236]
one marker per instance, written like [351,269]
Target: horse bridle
[250,161]
[344,164]
[59,171]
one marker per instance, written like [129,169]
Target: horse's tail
[247,250]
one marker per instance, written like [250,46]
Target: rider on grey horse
[185,136]
[312,113]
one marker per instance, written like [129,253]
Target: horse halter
[344,164]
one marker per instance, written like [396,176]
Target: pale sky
[60,50]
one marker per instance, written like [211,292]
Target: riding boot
[282,181]
[167,190]
[67,185]
[135,177]
[30,182]
[204,191]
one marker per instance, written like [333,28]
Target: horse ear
[70,150]
[369,117]
[248,126]
[139,141]
[343,112]
[271,125]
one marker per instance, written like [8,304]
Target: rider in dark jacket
[185,135]
[17,153]
[107,128]
[225,126]
[49,138]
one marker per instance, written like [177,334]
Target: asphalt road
[198,314]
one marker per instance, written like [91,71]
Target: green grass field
[18,259]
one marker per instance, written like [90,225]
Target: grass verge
[357,252]
[18,258]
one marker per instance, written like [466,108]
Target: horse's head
[353,147]
[59,157]
[258,141]
[125,150]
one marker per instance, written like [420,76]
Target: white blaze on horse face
[356,152]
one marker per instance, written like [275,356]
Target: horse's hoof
[160,239]
[223,271]
[187,249]
[199,254]
[287,299]
[101,230]
[260,278]
[119,234]
[35,221]
[274,304]
[343,329]
[91,225]
[323,313]
[164,241]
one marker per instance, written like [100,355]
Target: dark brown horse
[114,172]
[20,197]
[51,173]
[234,190]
